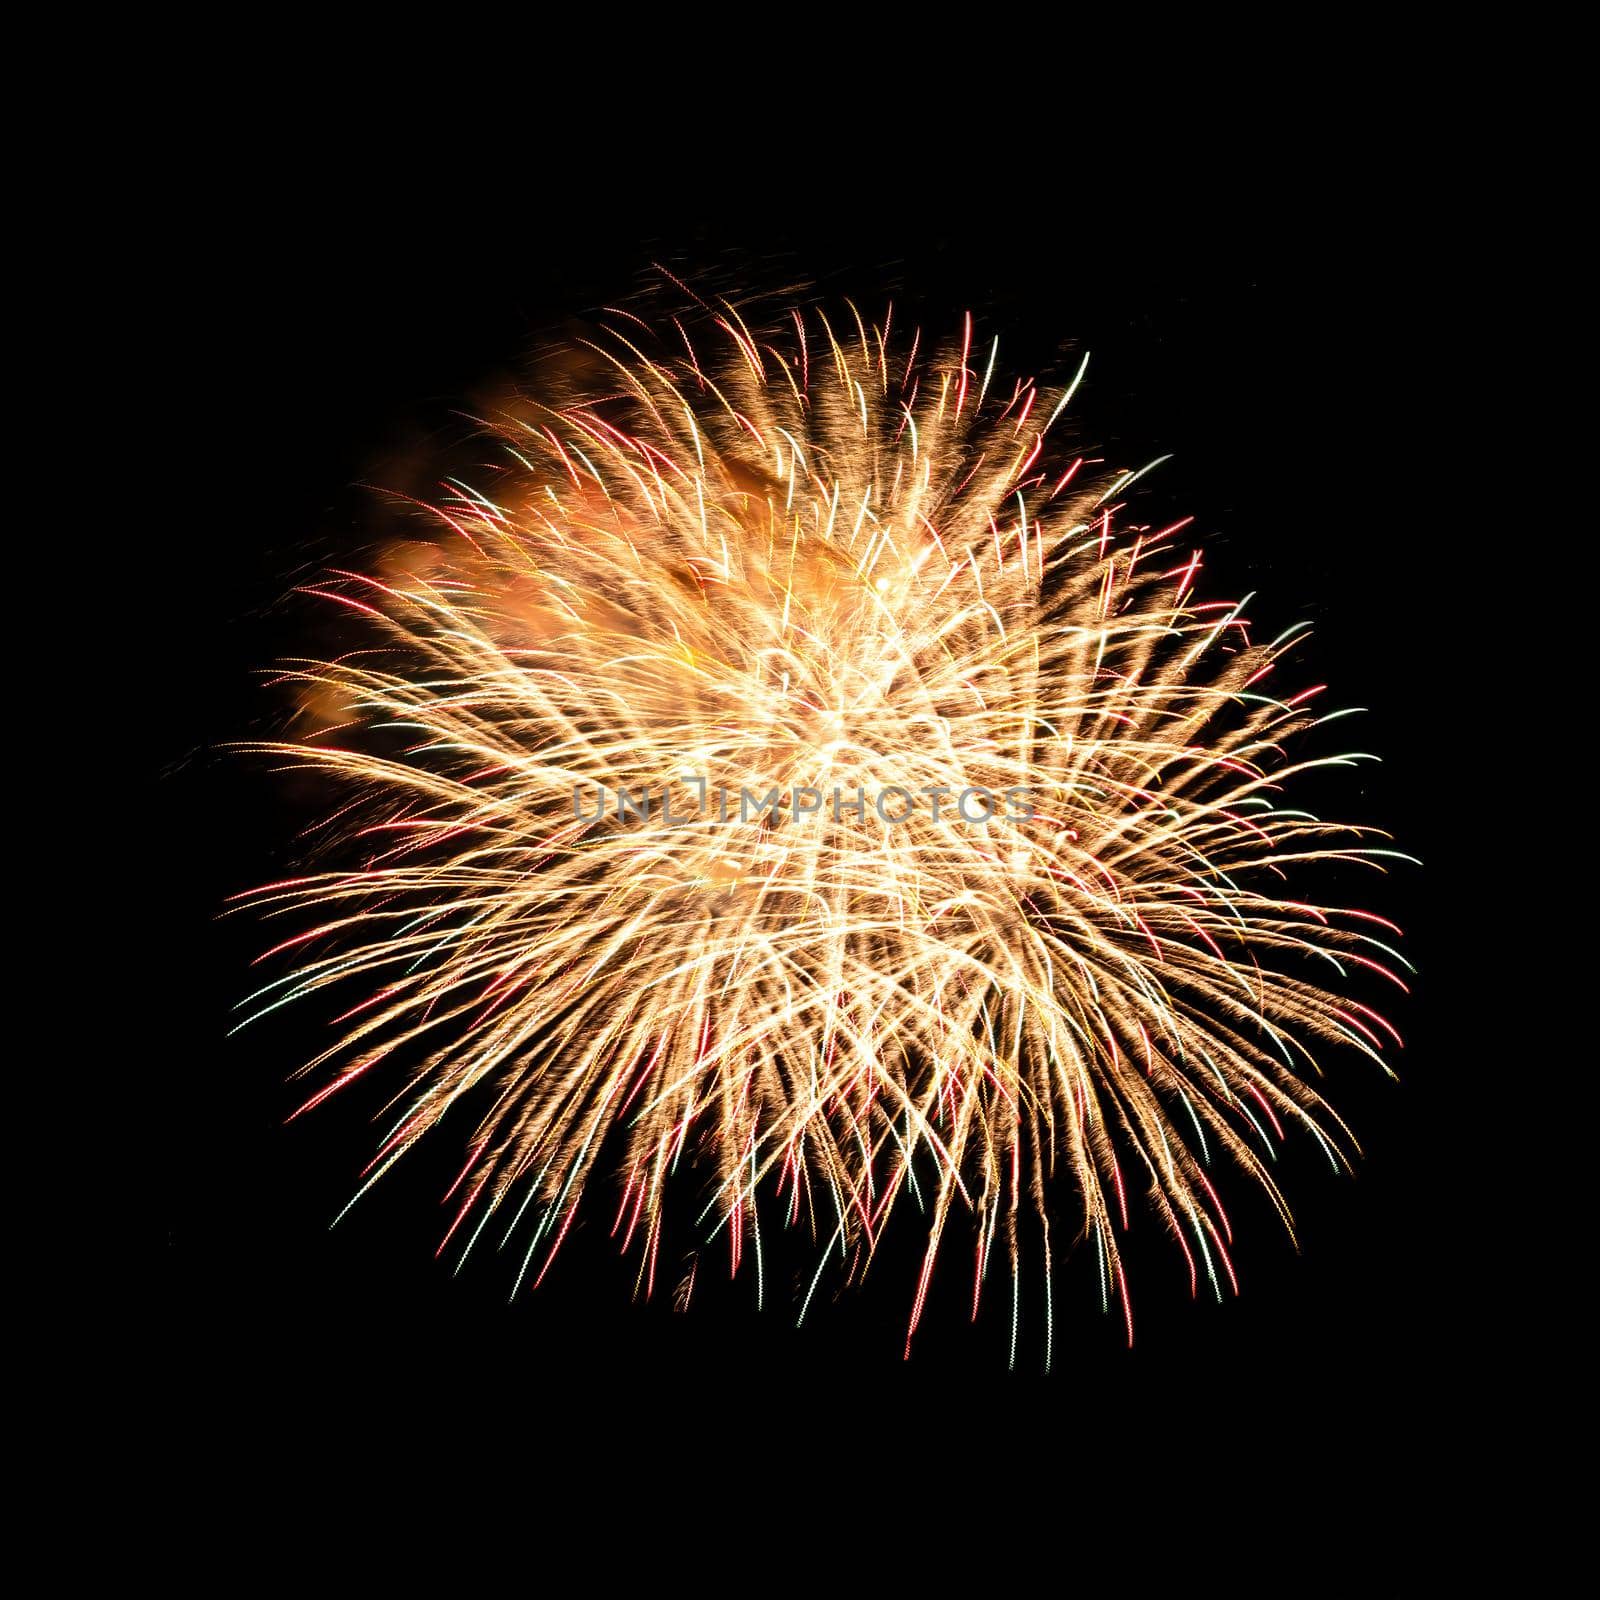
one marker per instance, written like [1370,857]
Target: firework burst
[817,566]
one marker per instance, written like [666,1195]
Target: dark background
[1269,340]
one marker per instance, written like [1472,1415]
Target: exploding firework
[785,781]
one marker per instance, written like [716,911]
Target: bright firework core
[820,560]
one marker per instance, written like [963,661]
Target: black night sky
[331,331]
